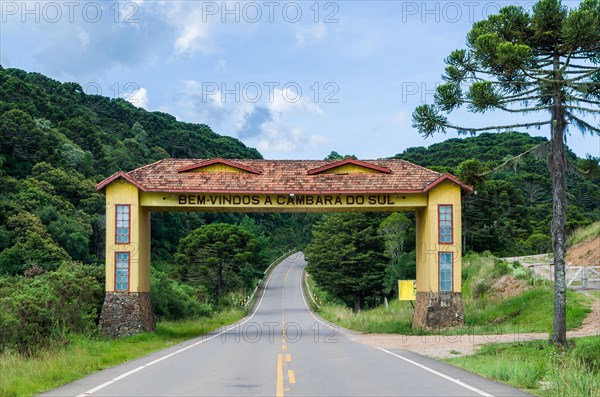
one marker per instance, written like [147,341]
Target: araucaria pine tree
[543,63]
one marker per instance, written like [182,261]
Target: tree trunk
[356,303]
[559,209]
[219,280]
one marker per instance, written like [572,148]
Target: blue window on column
[122,224]
[445,261]
[122,271]
[445,224]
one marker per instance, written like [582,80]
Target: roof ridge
[452,178]
[420,166]
[285,175]
[342,162]
[149,165]
[219,160]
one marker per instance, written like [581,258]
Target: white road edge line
[126,374]
[433,371]
[457,381]
[328,325]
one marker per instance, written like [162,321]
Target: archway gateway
[280,186]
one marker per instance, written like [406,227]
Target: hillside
[510,213]
[56,143]
[59,123]
[584,246]
[484,147]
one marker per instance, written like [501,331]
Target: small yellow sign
[407,290]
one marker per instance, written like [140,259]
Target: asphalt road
[280,349]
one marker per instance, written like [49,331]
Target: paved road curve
[282,349]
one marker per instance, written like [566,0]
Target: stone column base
[438,310]
[126,313]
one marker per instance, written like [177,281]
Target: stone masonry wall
[126,313]
[438,310]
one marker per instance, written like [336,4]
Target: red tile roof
[220,161]
[283,176]
[335,164]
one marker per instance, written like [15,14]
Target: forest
[56,143]
[511,209]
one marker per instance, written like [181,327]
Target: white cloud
[278,138]
[287,100]
[139,98]
[311,34]
[273,127]
[193,33]
[84,38]
[208,93]
[192,38]
[240,114]
[270,133]
[191,86]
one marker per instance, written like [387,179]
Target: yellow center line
[280,356]
[279,392]
[291,376]
[286,274]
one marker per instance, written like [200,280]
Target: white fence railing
[585,274]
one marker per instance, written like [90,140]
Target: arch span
[223,185]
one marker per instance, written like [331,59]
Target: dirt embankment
[508,285]
[584,254]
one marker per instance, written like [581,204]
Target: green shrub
[47,307]
[480,287]
[539,243]
[588,352]
[172,300]
[501,268]
[538,366]
[468,269]
[569,377]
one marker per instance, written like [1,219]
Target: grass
[539,367]
[397,319]
[530,311]
[25,376]
[584,234]
[485,313]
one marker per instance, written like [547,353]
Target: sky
[294,79]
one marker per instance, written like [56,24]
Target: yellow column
[435,308]
[427,235]
[128,310]
[124,193]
